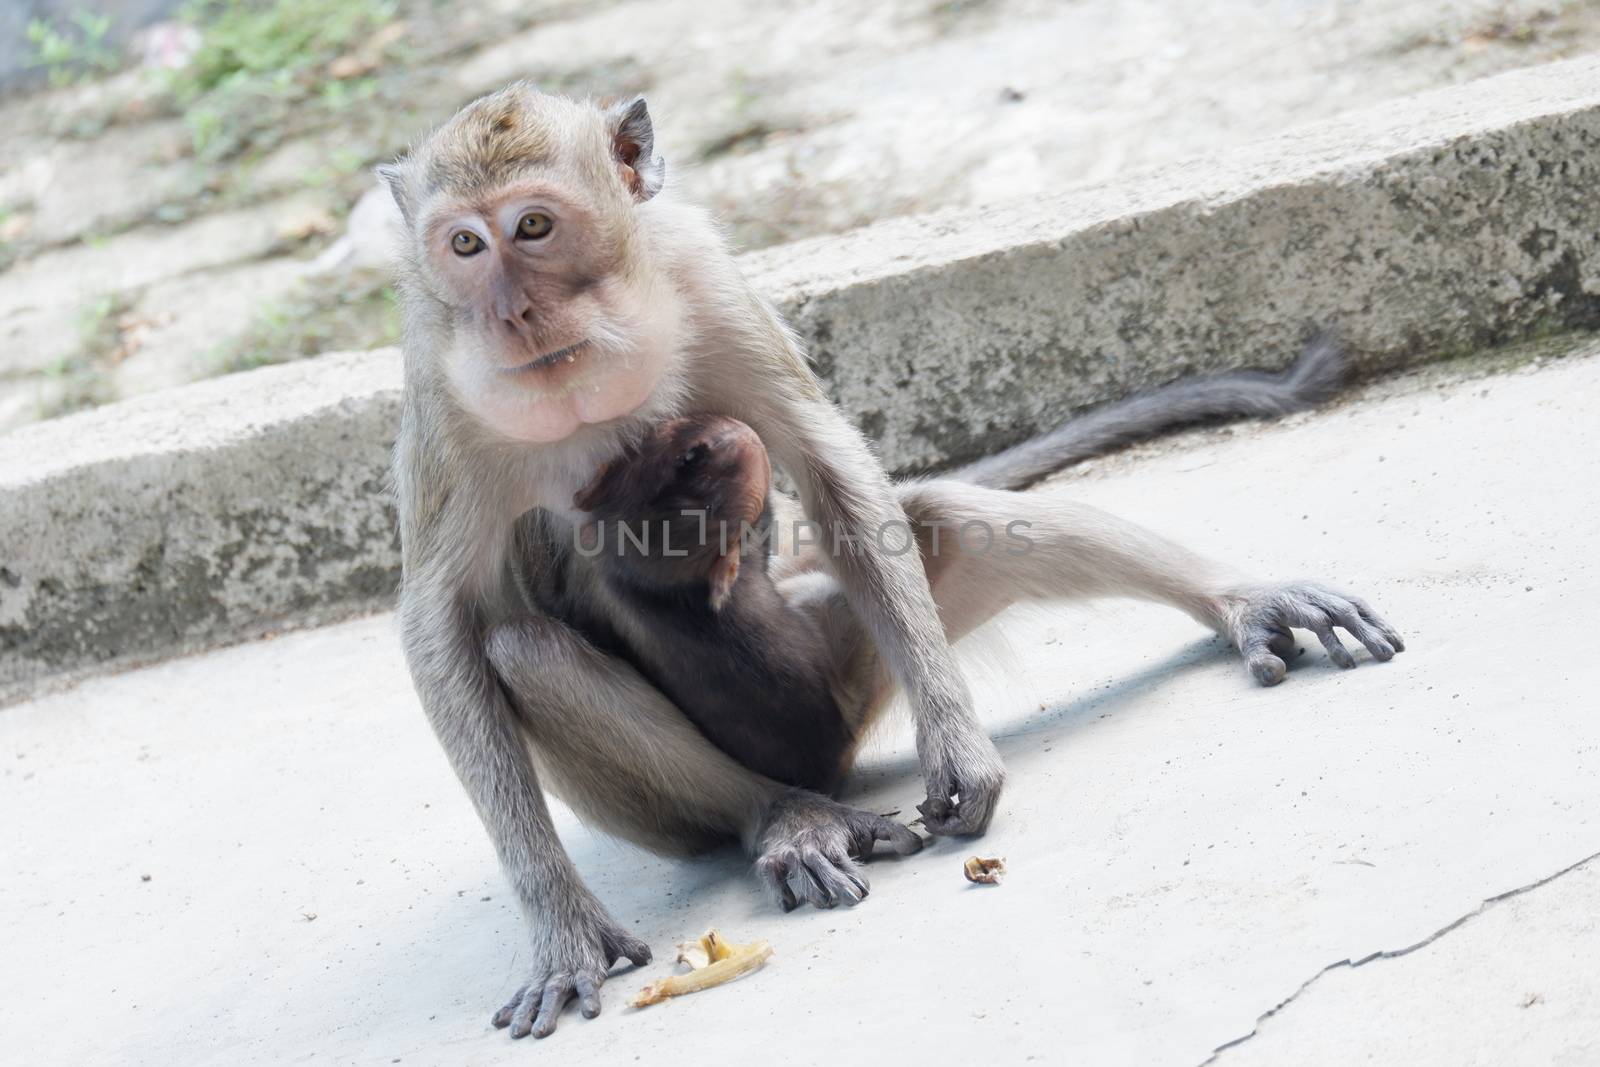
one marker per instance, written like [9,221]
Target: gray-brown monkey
[555,309]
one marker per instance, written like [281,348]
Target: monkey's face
[550,333]
[529,238]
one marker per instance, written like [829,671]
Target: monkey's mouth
[550,359]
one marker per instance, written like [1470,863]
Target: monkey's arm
[844,489]
[574,941]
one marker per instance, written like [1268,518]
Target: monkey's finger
[1335,647]
[812,886]
[522,1014]
[977,809]
[1281,644]
[844,878]
[848,868]
[939,816]
[775,873]
[835,874]
[1370,638]
[625,946]
[1390,634]
[902,839]
[952,825]
[502,1018]
[557,991]
[588,995]
[1267,667]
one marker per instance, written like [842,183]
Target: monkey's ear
[589,497]
[724,572]
[394,177]
[633,142]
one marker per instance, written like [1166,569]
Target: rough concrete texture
[179,519]
[1187,850]
[1451,221]
[1457,219]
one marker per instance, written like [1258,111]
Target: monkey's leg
[997,548]
[626,758]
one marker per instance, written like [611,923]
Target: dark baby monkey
[681,534]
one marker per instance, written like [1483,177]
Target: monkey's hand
[1258,621]
[964,776]
[571,955]
[813,842]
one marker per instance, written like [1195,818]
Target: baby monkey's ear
[724,572]
[633,142]
[591,496]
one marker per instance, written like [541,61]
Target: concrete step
[1431,227]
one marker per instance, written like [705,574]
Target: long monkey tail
[1313,378]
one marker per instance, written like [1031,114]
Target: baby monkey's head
[670,513]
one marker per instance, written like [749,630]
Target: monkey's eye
[535,225]
[466,243]
[694,455]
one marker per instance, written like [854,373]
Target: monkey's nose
[516,311]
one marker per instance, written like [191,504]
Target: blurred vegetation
[82,379]
[73,51]
[273,42]
[358,311]
[258,61]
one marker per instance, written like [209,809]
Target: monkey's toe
[519,1011]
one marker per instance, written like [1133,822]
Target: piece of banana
[712,961]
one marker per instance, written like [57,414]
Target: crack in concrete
[1390,954]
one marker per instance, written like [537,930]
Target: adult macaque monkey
[555,308]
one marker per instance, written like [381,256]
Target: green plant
[241,40]
[257,61]
[78,50]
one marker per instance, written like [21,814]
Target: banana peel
[711,961]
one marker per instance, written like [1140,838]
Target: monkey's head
[524,239]
[686,493]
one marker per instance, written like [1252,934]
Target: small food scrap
[984,872]
[711,961]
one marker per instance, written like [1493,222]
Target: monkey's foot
[1258,621]
[570,961]
[812,843]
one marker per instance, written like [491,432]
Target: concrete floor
[260,855]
